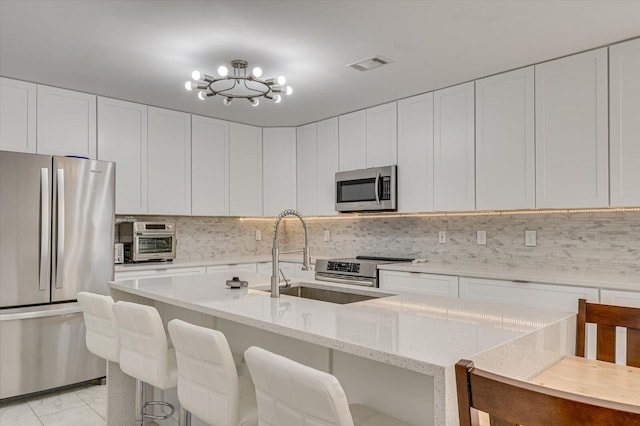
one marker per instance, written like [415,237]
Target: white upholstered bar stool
[145,354]
[208,384]
[102,335]
[291,394]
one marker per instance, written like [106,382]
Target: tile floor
[79,406]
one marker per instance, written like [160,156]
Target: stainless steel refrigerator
[56,239]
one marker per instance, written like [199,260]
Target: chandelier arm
[262,92]
[221,92]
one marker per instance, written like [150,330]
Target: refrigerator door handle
[60,228]
[44,228]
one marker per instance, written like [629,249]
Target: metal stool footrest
[157,417]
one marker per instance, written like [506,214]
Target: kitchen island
[395,352]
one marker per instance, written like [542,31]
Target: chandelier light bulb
[223,71]
[195,75]
[227,101]
[254,102]
[187,86]
[289,90]
[257,72]
[277,98]
[281,80]
[202,95]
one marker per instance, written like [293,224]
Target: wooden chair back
[513,402]
[607,318]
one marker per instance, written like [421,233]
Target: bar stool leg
[184,419]
[140,400]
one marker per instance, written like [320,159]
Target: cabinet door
[454,160]
[17,115]
[209,167]
[279,169]
[621,298]
[415,154]
[245,170]
[169,168]
[353,141]
[505,151]
[66,122]
[306,170]
[236,267]
[122,138]
[571,132]
[287,268]
[417,282]
[327,165]
[624,65]
[159,272]
[382,135]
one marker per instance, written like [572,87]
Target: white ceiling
[144,50]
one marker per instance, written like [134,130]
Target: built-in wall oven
[145,241]
[371,189]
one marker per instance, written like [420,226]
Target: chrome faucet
[275,252]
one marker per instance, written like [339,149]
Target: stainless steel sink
[326,295]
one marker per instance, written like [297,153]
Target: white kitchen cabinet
[160,271]
[417,282]
[306,170]
[571,132]
[454,156]
[245,170]
[287,268]
[327,148]
[415,154]
[66,123]
[235,267]
[209,167]
[505,146]
[279,169]
[304,275]
[353,140]
[169,164]
[17,115]
[382,135]
[122,138]
[624,144]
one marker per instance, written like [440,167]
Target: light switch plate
[327,236]
[258,236]
[481,238]
[442,237]
[530,238]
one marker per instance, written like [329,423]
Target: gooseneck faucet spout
[275,252]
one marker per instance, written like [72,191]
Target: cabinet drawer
[416,282]
[239,267]
[160,272]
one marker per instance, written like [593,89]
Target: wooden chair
[513,402]
[607,317]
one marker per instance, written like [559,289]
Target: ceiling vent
[370,63]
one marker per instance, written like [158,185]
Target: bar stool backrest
[102,335]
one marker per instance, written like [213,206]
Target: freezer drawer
[43,349]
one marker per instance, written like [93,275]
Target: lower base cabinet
[238,267]
[159,272]
[417,282]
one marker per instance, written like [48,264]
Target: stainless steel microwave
[144,241]
[372,189]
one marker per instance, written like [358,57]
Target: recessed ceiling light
[370,63]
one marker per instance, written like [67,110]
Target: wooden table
[598,379]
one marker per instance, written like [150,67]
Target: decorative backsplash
[603,242]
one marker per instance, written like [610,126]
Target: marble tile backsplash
[600,242]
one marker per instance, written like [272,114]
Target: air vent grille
[370,63]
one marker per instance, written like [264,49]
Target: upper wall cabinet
[454,157]
[169,167]
[382,135]
[245,170]
[353,140]
[306,170]
[209,167]
[571,132]
[279,169]
[624,65]
[505,146]
[17,115]
[415,154]
[122,137]
[66,122]
[327,165]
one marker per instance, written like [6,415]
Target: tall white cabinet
[624,66]
[209,166]
[353,140]
[169,167]
[245,170]
[122,138]
[306,170]
[327,141]
[66,122]
[382,135]
[17,115]
[415,154]
[278,170]
[454,157]
[505,146]
[571,132]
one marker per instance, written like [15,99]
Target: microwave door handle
[44,228]
[60,228]
[377,188]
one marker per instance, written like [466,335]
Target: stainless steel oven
[367,189]
[144,241]
[361,270]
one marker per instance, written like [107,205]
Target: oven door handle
[377,188]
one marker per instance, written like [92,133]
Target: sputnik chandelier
[238,85]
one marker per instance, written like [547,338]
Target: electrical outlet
[442,237]
[481,238]
[530,238]
[327,236]
[258,235]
